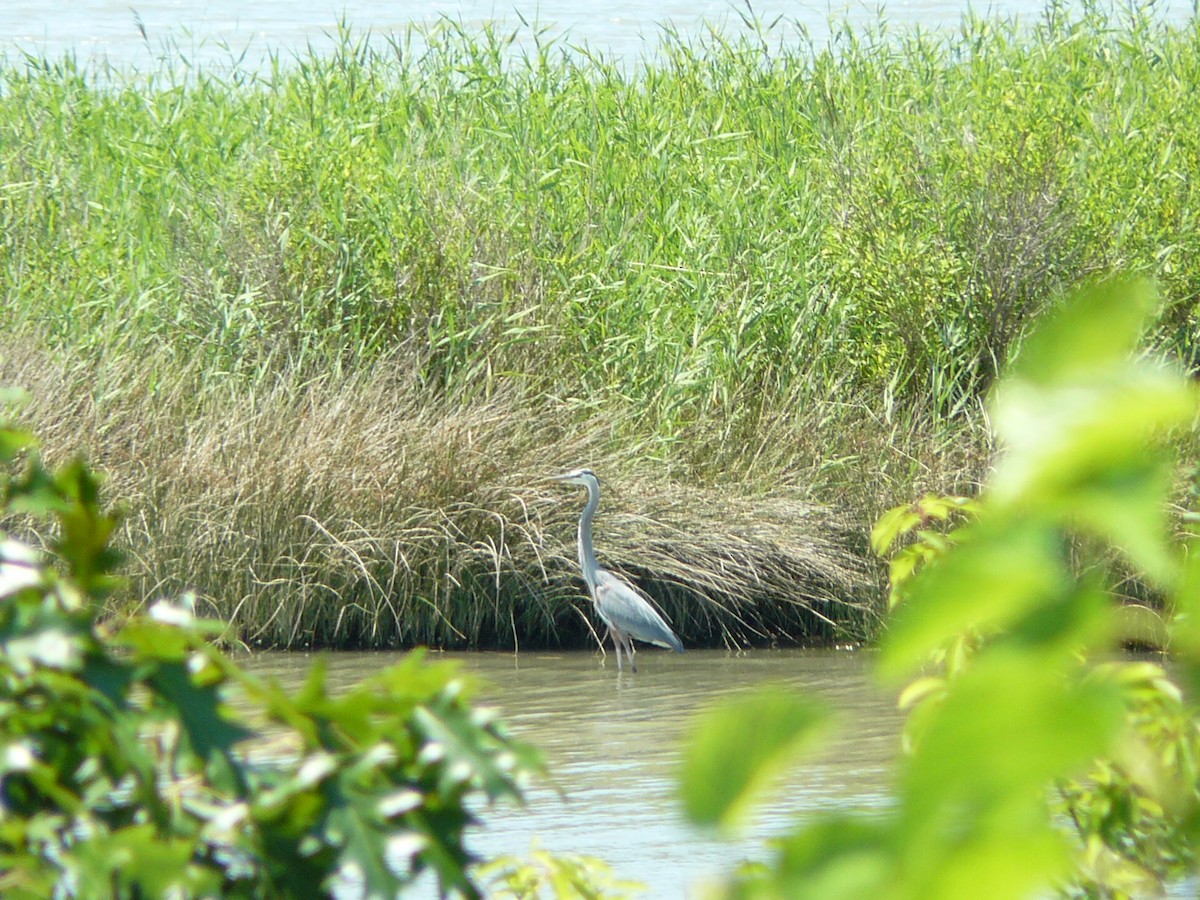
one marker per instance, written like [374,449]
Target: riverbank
[329,329]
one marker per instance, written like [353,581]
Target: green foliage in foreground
[1035,761]
[124,772]
[564,877]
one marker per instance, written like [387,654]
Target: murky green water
[612,743]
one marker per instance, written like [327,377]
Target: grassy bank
[329,326]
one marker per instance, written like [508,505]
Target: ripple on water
[612,743]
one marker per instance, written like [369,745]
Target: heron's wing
[621,606]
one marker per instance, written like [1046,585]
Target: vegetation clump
[125,769]
[1035,754]
[329,322]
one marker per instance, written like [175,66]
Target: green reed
[749,266]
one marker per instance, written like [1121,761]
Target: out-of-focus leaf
[1019,862]
[1063,722]
[920,689]
[201,712]
[1094,330]
[1067,624]
[469,754]
[738,747]
[37,492]
[838,858]
[940,507]
[973,798]
[143,862]
[85,532]
[1125,506]
[1084,453]
[112,679]
[1058,437]
[891,525]
[359,833]
[904,563]
[991,579]
[147,640]
[438,843]
[14,441]
[20,567]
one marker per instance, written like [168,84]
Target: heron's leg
[629,651]
[616,639]
[619,640]
[610,632]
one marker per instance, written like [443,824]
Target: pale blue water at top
[133,32]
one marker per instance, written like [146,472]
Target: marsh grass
[330,323]
[356,512]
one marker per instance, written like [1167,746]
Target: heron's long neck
[587,556]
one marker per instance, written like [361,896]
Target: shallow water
[134,33]
[612,742]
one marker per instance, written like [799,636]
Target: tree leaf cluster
[1037,759]
[137,759]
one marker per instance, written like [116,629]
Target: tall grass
[748,279]
[361,510]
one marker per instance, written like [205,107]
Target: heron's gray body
[625,612]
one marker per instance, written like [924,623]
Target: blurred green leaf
[1055,437]
[14,441]
[1018,862]
[210,728]
[920,690]
[1066,625]
[739,746]
[1125,505]
[1097,328]
[37,492]
[837,858]
[139,860]
[111,678]
[359,833]
[996,575]
[891,525]
[967,753]
[86,530]
[973,819]
[468,755]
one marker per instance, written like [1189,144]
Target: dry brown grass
[359,511]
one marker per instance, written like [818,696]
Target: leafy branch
[126,770]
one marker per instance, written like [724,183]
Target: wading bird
[617,602]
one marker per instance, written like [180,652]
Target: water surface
[612,742]
[134,32]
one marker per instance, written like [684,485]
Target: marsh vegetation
[328,327]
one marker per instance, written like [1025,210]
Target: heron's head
[582,477]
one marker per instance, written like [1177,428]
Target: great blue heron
[617,602]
